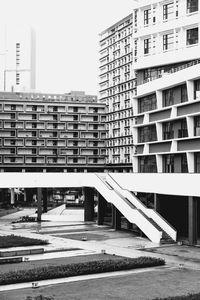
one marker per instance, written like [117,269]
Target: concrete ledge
[9,253]
[10,260]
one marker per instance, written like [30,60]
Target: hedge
[183,297]
[91,267]
[17,241]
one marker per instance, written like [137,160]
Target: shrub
[75,269]
[17,241]
[39,297]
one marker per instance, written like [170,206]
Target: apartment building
[17,58]
[117,84]
[51,132]
[166,132]
[167,106]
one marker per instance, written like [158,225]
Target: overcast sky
[67,38]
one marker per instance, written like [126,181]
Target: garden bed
[75,269]
[18,241]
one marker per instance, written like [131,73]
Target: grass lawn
[139,286]
[17,241]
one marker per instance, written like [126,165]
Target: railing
[173,70]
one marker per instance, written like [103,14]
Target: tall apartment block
[17,59]
[117,84]
[166,129]
[51,133]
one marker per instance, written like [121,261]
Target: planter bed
[17,241]
[75,269]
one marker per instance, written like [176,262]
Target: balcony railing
[173,70]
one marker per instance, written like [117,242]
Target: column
[129,225]
[156,202]
[88,204]
[25,196]
[192,220]
[101,209]
[12,196]
[116,218]
[39,204]
[45,200]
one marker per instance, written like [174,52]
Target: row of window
[168,11]
[170,97]
[172,163]
[192,38]
[171,130]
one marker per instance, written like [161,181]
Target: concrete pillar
[25,195]
[101,209]
[129,225]
[12,196]
[116,218]
[156,202]
[45,202]
[88,204]
[39,204]
[192,220]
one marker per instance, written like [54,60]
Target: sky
[67,36]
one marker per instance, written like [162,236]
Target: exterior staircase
[148,220]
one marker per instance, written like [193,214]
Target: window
[197,89]
[147,103]
[192,6]
[75,109]
[197,125]
[168,97]
[184,95]
[147,46]
[147,134]
[17,78]
[168,131]
[33,133]
[34,151]
[192,36]
[147,16]
[34,125]
[197,162]
[184,165]
[168,41]
[167,11]
[147,164]
[183,132]
[168,165]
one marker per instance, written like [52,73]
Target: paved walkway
[67,234]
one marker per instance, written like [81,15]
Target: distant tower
[19,65]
